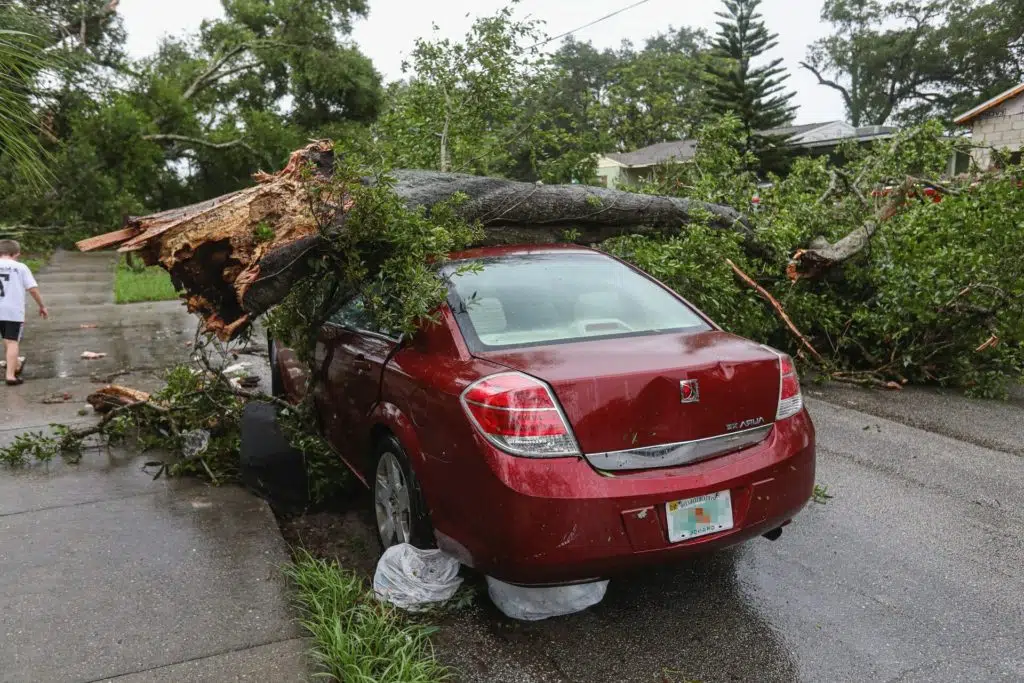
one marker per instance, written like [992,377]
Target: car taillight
[519,415]
[790,399]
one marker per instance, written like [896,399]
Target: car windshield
[555,297]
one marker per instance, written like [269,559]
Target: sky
[388,34]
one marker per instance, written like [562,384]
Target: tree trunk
[217,251]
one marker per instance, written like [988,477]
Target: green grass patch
[357,638]
[36,260]
[151,283]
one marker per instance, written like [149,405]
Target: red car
[568,418]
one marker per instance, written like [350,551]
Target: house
[630,168]
[996,124]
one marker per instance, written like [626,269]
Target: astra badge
[689,392]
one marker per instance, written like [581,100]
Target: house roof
[829,133]
[972,114]
[680,150]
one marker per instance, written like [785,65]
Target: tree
[462,105]
[656,94]
[909,61]
[755,94]
[194,120]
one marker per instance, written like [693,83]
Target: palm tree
[21,59]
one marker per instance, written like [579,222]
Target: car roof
[517,249]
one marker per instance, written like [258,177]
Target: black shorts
[11,330]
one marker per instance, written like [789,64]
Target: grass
[356,638]
[35,261]
[147,284]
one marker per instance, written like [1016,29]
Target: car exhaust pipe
[774,534]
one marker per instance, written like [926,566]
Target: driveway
[914,571]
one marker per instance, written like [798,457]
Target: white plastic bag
[412,578]
[534,604]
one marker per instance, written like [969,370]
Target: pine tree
[755,94]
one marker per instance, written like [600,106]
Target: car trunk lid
[626,394]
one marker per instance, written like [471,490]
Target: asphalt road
[913,571]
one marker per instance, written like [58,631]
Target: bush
[936,297]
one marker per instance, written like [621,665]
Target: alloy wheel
[391,500]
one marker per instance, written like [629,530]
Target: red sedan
[568,418]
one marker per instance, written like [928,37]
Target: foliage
[820,494]
[355,636]
[755,94]
[20,62]
[909,61]
[192,121]
[656,94]
[936,298]
[151,283]
[194,421]
[387,254]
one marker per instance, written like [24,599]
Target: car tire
[276,386]
[399,509]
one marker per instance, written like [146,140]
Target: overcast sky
[393,25]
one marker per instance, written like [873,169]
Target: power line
[595,21]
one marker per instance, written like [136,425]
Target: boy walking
[15,280]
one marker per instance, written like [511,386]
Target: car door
[354,351]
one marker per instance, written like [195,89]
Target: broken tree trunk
[216,252]
[815,261]
[115,396]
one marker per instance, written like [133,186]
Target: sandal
[15,382]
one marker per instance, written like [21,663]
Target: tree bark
[217,251]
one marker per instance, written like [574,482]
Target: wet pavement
[914,571]
[106,574]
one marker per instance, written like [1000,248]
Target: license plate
[698,516]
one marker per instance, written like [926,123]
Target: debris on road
[60,397]
[92,355]
[413,579]
[535,603]
[115,396]
[87,326]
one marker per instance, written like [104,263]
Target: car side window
[354,315]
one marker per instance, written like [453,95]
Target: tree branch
[211,75]
[172,137]
[779,311]
[831,84]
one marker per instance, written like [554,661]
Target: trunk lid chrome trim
[681,453]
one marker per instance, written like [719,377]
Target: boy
[15,280]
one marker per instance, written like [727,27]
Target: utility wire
[595,21]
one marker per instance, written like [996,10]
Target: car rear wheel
[398,506]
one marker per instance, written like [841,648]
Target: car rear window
[555,297]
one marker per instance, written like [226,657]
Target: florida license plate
[698,516]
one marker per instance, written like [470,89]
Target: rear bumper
[560,520]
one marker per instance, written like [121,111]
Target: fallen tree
[878,271]
[238,255]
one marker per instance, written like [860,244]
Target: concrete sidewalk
[106,574]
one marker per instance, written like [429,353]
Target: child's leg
[11,348]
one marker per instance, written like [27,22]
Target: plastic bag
[412,578]
[533,604]
[194,442]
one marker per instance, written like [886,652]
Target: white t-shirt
[15,280]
